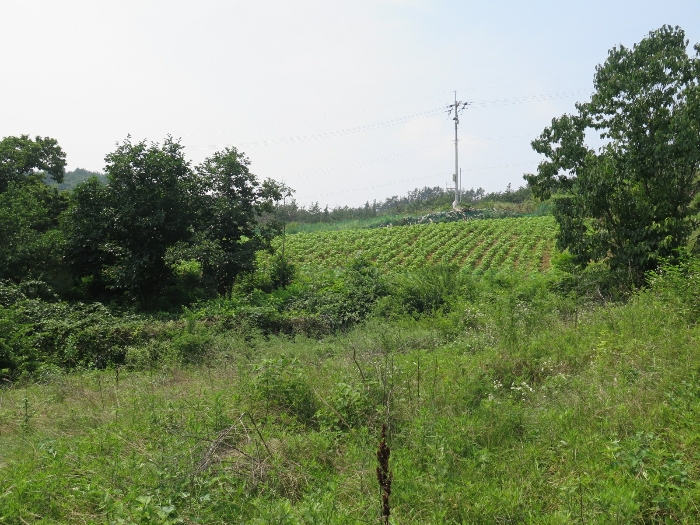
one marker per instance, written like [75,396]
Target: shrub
[191,347]
[280,383]
[426,290]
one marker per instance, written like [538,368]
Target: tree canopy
[632,202]
[158,220]
[232,201]
[31,241]
[20,157]
[30,238]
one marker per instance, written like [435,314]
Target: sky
[342,100]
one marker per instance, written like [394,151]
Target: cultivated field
[524,243]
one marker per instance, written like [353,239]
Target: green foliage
[41,334]
[190,347]
[348,407]
[282,272]
[156,215]
[146,207]
[426,290]
[396,209]
[524,243]
[234,200]
[315,303]
[337,300]
[631,203]
[72,178]
[21,158]
[505,409]
[30,239]
[679,286]
[280,383]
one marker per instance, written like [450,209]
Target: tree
[119,234]
[21,157]
[234,201]
[631,203]
[86,229]
[30,238]
[158,223]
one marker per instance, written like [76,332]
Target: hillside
[183,343]
[524,243]
[72,178]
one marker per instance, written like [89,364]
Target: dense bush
[426,290]
[44,335]
[281,383]
[40,332]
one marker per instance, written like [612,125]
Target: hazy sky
[342,100]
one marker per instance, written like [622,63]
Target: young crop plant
[497,244]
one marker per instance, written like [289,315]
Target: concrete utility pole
[457,107]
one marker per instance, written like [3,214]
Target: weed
[384,476]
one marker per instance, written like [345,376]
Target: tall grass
[508,403]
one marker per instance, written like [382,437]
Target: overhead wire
[522,83]
[444,94]
[395,183]
[372,162]
[532,98]
[391,158]
[396,121]
[335,133]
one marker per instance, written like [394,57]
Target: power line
[350,190]
[336,133]
[526,83]
[372,162]
[391,158]
[396,121]
[393,104]
[532,98]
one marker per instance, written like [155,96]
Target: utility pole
[457,107]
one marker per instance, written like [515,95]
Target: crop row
[515,243]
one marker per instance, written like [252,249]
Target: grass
[516,405]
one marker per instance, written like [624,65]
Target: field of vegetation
[167,357]
[524,243]
[511,402]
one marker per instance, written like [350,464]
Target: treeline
[72,178]
[154,231]
[417,201]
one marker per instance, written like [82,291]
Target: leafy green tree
[234,202]
[630,203]
[21,158]
[31,241]
[86,229]
[30,237]
[120,233]
[140,233]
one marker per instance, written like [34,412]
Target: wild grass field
[511,401]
